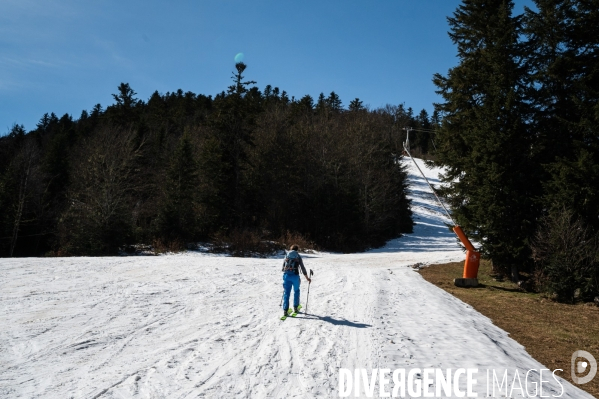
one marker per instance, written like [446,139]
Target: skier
[293,261]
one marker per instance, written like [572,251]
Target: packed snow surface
[196,325]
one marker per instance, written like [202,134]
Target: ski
[291,313]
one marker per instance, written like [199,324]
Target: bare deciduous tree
[100,213]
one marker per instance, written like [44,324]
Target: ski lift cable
[471,264]
[406,144]
[422,130]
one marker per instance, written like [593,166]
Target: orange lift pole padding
[463,238]
[472,256]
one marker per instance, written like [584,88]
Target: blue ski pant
[291,280]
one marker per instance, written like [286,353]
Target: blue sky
[64,56]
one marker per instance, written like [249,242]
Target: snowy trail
[196,325]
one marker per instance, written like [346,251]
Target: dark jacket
[293,255]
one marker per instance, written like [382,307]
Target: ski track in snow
[203,326]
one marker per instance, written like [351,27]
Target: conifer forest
[520,139]
[184,168]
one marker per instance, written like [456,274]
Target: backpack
[291,263]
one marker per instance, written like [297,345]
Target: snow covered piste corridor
[199,325]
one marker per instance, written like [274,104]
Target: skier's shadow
[336,322]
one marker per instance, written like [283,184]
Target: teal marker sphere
[239,58]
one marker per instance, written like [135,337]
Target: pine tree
[334,102]
[56,162]
[563,52]
[356,105]
[321,104]
[484,140]
[125,99]
[240,87]
[125,111]
[423,135]
[233,122]
[178,216]
[563,43]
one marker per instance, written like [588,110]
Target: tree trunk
[21,202]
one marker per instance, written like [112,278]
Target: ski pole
[308,297]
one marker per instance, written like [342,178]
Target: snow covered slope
[196,325]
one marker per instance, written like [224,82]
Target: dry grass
[290,238]
[163,246]
[549,331]
[244,243]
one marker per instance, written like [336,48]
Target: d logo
[581,367]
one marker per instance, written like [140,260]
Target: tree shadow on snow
[336,322]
